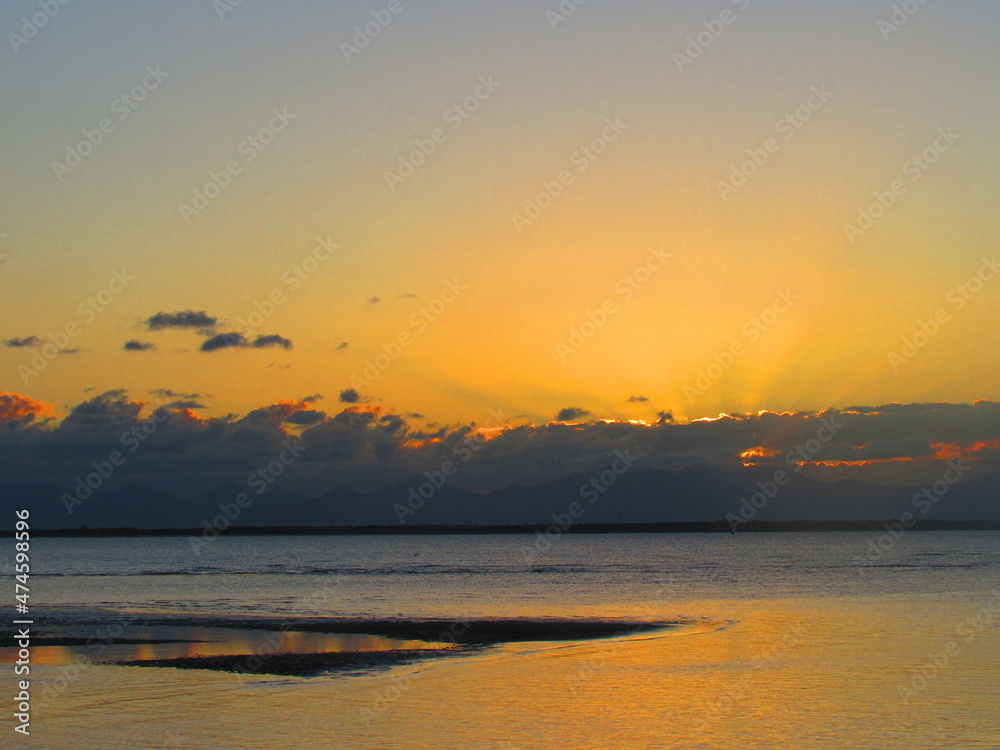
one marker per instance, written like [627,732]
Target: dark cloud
[134,345]
[363,446]
[341,346]
[237,340]
[199,320]
[271,340]
[70,351]
[223,341]
[571,413]
[637,399]
[293,412]
[185,405]
[374,300]
[167,393]
[665,416]
[352,396]
[306,417]
[21,342]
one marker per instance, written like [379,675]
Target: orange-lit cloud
[17,408]
[968,451]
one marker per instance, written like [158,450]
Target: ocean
[782,640]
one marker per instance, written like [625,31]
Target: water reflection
[172,642]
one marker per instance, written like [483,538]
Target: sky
[648,214]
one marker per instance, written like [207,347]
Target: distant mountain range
[695,494]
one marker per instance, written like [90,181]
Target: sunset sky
[645,286]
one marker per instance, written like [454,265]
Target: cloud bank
[365,447]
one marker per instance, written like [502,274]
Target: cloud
[637,399]
[199,320]
[571,413]
[365,447]
[306,417]
[223,341]
[271,340]
[21,410]
[167,393]
[407,295]
[185,405]
[664,417]
[237,340]
[299,412]
[341,346]
[134,345]
[22,342]
[352,396]
[70,351]
[374,300]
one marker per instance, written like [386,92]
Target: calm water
[792,642]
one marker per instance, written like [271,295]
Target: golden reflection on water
[203,642]
[792,675]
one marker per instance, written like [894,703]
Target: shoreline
[692,527]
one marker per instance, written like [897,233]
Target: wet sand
[302,665]
[445,638]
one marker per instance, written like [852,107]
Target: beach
[630,641]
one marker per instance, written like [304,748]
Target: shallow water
[173,642]
[790,644]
